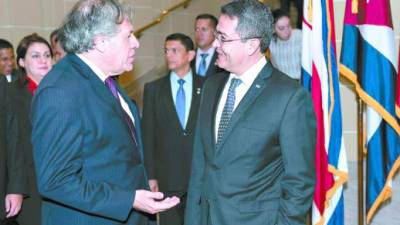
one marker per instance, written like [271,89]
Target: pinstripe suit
[87,165]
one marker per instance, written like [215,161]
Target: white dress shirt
[103,77]
[9,78]
[210,53]
[247,79]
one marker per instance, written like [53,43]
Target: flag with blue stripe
[368,61]
[320,77]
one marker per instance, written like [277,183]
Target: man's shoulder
[64,76]
[283,82]
[215,80]
[157,82]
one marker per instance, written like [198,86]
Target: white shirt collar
[209,51]
[250,75]
[188,78]
[94,67]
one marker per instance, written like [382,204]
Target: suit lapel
[96,84]
[136,117]
[254,91]
[211,68]
[102,91]
[215,92]
[196,93]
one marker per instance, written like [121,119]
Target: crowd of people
[226,137]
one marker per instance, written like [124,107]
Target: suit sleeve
[148,128]
[15,164]
[193,211]
[58,138]
[297,138]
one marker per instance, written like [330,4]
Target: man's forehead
[173,44]
[6,52]
[227,23]
[203,21]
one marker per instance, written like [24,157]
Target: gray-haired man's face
[120,50]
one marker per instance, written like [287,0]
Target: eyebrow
[221,33]
[36,52]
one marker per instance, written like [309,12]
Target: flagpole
[360,160]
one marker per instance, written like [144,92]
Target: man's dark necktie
[228,109]
[203,65]
[110,84]
[180,103]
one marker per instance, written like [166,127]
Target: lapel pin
[258,86]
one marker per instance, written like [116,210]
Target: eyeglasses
[222,39]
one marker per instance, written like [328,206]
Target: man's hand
[151,202]
[153,185]
[13,203]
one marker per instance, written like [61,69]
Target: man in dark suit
[204,63]
[7,60]
[253,156]
[85,130]
[13,180]
[169,124]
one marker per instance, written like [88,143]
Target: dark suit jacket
[12,171]
[168,147]
[15,75]
[263,171]
[212,68]
[21,99]
[87,165]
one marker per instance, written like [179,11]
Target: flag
[320,77]
[398,90]
[368,61]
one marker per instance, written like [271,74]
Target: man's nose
[215,43]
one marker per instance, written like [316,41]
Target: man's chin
[220,63]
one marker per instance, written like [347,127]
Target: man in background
[7,60]
[13,180]
[170,106]
[204,63]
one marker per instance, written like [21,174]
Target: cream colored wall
[21,17]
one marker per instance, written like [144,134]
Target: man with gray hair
[253,156]
[85,129]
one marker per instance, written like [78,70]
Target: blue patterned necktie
[110,84]
[203,65]
[228,109]
[180,103]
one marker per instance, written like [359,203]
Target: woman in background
[34,59]
[285,48]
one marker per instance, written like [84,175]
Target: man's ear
[21,63]
[192,54]
[254,46]
[100,43]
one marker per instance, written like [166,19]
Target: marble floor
[389,214]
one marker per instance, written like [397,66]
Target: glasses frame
[218,35]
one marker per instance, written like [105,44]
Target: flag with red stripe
[398,90]
[368,61]
[320,77]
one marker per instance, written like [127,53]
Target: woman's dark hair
[27,41]
[279,13]
[22,48]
